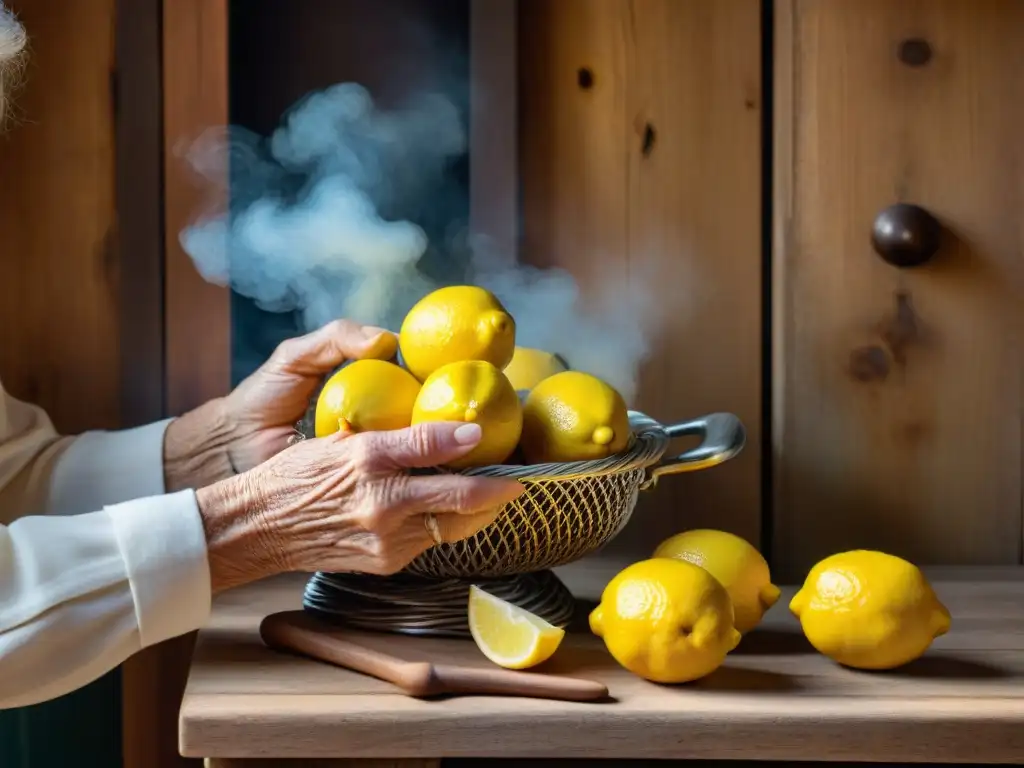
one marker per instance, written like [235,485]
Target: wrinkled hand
[265,407]
[237,432]
[347,502]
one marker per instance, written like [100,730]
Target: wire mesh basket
[571,510]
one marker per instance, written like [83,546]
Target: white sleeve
[42,473]
[101,468]
[79,594]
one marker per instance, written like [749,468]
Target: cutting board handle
[298,632]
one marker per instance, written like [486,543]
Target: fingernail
[468,434]
[371,332]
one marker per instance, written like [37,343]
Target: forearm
[240,547]
[73,475]
[80,594]
[77,475]
[196,448]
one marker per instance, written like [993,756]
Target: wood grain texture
[314,763]
[774,699]
[197,335]
[640,156]
[300,763]
[897,420]
[139,139]
[299,633]
[140,204]
[60,296]
[195,99]
[494,161]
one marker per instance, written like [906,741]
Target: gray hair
[12,45]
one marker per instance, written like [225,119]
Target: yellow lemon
[573,416]
[666,620]
[508,635]
[370,395]
[473,391]
[869,610]
[453,324]
[737,565]
[529,367]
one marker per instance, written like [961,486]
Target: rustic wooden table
[775,699]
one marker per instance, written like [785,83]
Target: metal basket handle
[723,437]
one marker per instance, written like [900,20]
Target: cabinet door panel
[196,333]
[640,150]
[897,420]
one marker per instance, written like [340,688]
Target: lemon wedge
[509,636]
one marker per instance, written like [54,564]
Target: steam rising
[308,230]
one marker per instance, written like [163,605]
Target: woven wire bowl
[568,511]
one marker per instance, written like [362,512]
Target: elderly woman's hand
[265,407]
[347,503]
[237,432]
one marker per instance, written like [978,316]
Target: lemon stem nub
[596,621]
[603,435]
[734,639]
[769,595]
[940,621]
[703,631]
[499,321]
[796,605]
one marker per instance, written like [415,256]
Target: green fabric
[82,729]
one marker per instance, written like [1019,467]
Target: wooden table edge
[775,727]
[937,730]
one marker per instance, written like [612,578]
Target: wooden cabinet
[897,392]
[636,167]
[728,160]
[80,271]
[640,167]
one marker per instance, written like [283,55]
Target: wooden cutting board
[299,632]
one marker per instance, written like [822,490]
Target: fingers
[319,352]
[453,528]
[452,495]
[431,444]
[389,556]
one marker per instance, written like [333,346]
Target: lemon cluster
[459,362]
[862,609]
[675,617]
[671,619]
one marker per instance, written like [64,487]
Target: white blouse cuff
[164,549]
[101,468]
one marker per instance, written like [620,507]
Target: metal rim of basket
[648,444]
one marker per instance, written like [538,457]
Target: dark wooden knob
[906,235]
